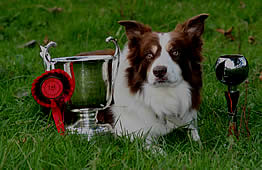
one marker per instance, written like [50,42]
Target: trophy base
[87,125]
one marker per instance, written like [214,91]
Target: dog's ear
[134,29]
[193,26]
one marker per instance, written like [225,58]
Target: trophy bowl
[94,77]
[231,69]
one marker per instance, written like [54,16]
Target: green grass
[28,137]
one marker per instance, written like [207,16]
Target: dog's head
[164,59]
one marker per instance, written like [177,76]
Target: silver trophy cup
[232,70]
[94,77]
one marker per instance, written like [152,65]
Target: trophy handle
[116,60]
[46,56]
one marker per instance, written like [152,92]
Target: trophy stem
[88,117]
[86,125]
[232,99]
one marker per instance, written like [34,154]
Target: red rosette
[53,89]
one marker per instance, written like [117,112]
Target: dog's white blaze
[173,74]
[154,49]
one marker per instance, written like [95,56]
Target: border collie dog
[159,80]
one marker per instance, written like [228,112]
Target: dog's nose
[159,71]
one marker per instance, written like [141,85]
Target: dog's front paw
[105,127]
[195,135]
[156,149]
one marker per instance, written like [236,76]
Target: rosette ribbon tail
[56,112]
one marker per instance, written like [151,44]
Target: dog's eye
[175,52]
[149,56]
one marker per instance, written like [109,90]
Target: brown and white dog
[159,80]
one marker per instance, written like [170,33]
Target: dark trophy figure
[232,70]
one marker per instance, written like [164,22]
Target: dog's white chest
[169,101]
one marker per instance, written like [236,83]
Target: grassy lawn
[28,137]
